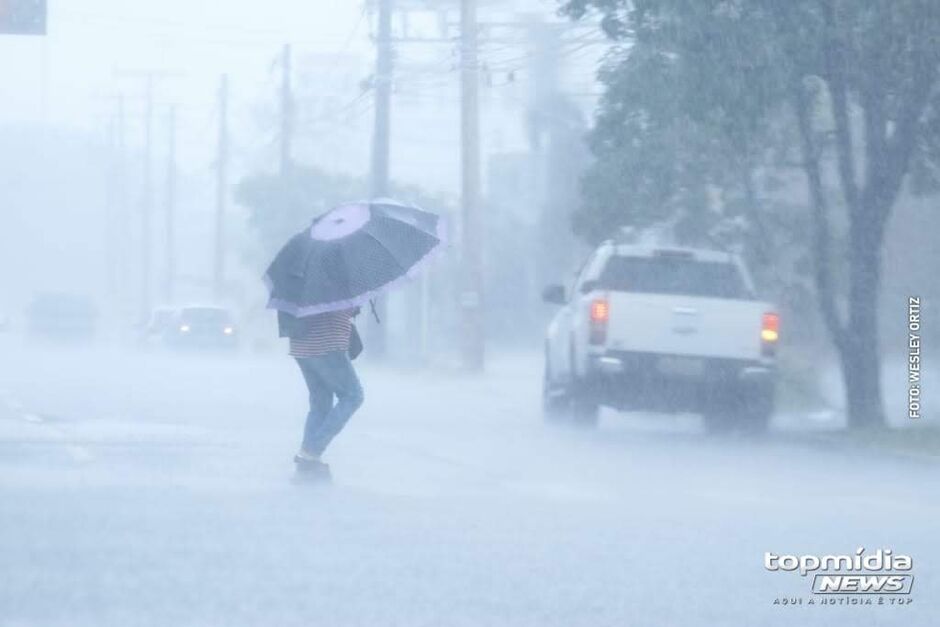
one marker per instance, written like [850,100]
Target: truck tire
[718,422]
[567,405]
[748,413]
[754,423]
[555,401]
[585,411]
[583,405]
[757,408]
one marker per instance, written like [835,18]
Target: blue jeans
[328,376]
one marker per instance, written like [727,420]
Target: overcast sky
[70,81]
[197,40]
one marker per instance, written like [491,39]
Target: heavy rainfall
[469,312]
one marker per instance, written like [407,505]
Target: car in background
[661,329]
[201,327]
[62,316]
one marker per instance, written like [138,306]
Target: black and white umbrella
[350,254]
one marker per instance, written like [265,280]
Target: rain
[469,312]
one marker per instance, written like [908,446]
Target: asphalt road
[155,489]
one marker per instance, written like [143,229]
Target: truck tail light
[769,334]
[600,314]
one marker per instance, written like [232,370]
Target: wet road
[156,489]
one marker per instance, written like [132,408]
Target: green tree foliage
[280,205]
[669,131]
[858,83]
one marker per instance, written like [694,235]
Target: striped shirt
[323,333]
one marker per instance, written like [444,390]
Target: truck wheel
[584,410]
[754,415]
[754,424]
[585,413]
[718,422]
[555,400]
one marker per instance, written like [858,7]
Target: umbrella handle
[374,312]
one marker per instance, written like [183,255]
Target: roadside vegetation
[787,129]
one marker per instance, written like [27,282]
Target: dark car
[202,327]
[61,316]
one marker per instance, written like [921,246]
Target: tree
[859,79]
[280,205]
[675,144]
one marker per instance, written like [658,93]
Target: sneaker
[303,457]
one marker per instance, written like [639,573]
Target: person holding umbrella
[320,344]
[317,281]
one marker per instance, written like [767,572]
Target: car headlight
[184,328]
[228,330]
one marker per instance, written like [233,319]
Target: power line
[355,29]
[337,113]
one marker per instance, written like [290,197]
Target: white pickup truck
[661,329]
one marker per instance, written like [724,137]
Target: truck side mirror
[554,294]
[588,286]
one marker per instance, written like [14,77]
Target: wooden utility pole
[170,210]
[287,110]
[110,239]
[379,183]
[471,297]
[150,77]
[146,221]
[475,32]
[221,190]
[122,224]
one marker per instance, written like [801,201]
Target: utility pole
[146,235]
[150,77]
[287,110]
[221,190]
[381,142]
[551,245]
[110,239]
[122,226]
[471,296]
[170,210]
[474,32]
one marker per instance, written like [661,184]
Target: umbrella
[350,254]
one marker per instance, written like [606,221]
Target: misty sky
[60,94]
[68,78]
[89,39]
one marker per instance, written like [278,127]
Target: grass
[798,388]
[921,440]
[916,442]
[799,391]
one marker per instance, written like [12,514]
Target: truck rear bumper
[641,381]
